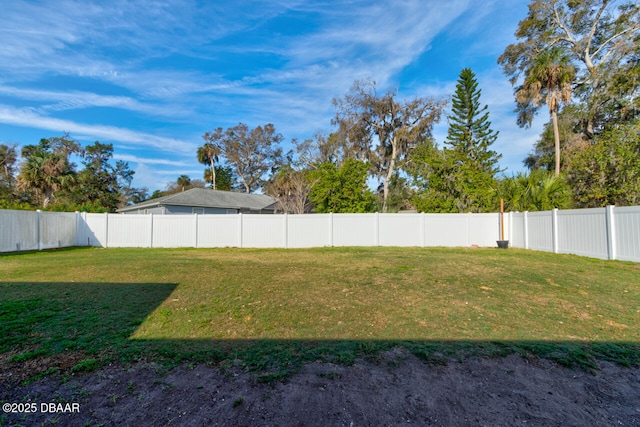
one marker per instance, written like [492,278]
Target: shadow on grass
[94,319]
[92,324]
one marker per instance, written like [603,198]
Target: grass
[273,310]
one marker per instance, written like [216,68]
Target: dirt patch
[394,389]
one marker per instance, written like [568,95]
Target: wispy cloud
[150,160]
[29,118]
[73,100]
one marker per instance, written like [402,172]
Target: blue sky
[152,77]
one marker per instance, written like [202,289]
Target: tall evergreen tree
[468,144]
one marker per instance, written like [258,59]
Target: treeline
[376,136]
[48,179]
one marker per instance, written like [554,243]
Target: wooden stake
[501,219]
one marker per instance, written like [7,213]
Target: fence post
[554,229]
[525,224]
[106,229]
[611,231]
[77,239]
[239,229]
[38,232]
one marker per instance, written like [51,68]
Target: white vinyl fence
[287,231]
[607,233]
[27,230]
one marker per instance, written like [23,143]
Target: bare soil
[393,389]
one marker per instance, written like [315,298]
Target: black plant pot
[503,244]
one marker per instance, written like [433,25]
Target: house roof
[205,198]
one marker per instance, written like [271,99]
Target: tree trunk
[385,187]
[47,198]
[556,137]
[213,175]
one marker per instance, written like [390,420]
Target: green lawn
[272,310]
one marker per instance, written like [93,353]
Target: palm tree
[547,81]
[183,181]
[44,172]
[540,190]
[208,155]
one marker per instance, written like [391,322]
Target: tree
[252,153]
[571,139]
[540,190]
[400,194]
[46,167]
[102,183]
[381,130]
[608,172]
[342,189]
[224,178]
[320,149]
[291,188]
[547,81]
[468,143]
[208,154]
[8,159]
[183,181]
[433,174]
[156,194]
[97,182]
[600,39]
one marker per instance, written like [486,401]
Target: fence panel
[219,231]
[57,229]
[516,229]
[129,231]
[174,231]
[400,230]
[627,233]
[354,230]
[263,231]
[309,231]
[18,230]
[540,231]
[484,229]
[583,232]
[93,229]
[446,230]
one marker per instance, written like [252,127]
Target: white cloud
[28,118]
[74,100]
[149,160]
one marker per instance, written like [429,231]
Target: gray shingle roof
[205,198]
